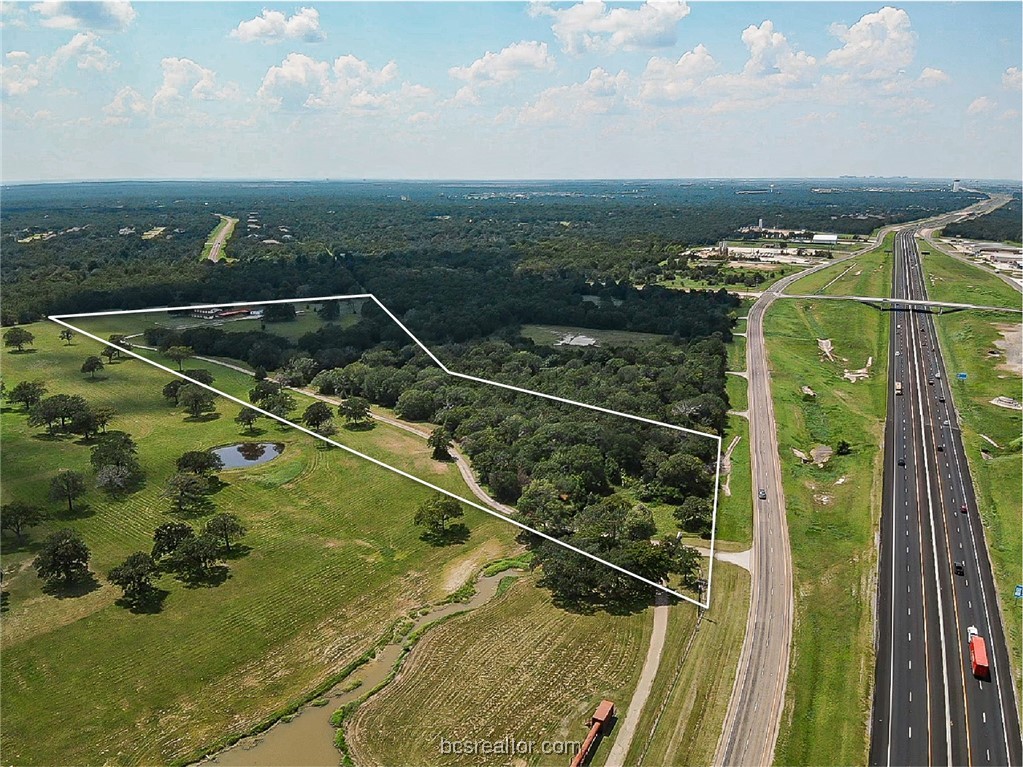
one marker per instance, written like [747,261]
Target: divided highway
[934,577]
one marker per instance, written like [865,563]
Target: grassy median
[832,515]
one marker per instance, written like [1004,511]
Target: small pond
[248,453]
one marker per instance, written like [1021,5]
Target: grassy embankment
[735,509]
[225,228]
[332,559]
[967,340]
[832,511]
[686,709]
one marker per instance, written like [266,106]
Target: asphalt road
[750,730]
[928,706]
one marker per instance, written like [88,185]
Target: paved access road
[928,706]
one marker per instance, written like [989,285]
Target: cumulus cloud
[1013,78]
[274,26]
[771,56]
[592,26]
[113,15]
[507,64]
[83,50]
[183,78]
[601,93]
[348,82]
[667,80]
[127,103]
[501,67]
[879,45]
[932,76]
[980,105]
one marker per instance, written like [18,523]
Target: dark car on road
[762,494]
[960,568]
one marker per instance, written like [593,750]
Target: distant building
[825,239]
[955,185]
[206,313]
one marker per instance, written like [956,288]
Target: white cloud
[348,82]
[274,26]
[127,103]
[11,15]
[1013,78]
[772,57]
[501,67]
[932,76]
[592,26]
[184,78]
[877,46]
[115,15]
[601,93]
[980,106]
[83,49]
[666,80]
[507,64]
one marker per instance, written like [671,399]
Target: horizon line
[490,180]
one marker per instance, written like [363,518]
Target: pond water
[248,453]
[308,739]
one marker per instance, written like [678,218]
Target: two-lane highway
[935,578]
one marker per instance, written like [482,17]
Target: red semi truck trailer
[978,653]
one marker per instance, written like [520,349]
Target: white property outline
[59,319]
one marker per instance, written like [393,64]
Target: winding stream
[307,740]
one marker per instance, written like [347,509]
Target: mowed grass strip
[949,279]
[686,709]
[833,514]
[735,509]
[517,667]
[869,274]
[967,341]
[333,560]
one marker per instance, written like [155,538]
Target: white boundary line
[60,320]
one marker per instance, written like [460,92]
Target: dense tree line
[1000,225]
[594,230]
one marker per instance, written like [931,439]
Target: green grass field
[736,350]
[832,516]
[737,389]
[949,279]
[686,708]
[869,274]
[966,339]
[538,676]
[735,511]
[306,321]
[333,560]
[549,335]
[688,283]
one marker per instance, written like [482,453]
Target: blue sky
[510,90]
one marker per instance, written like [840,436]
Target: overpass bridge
[889,304]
